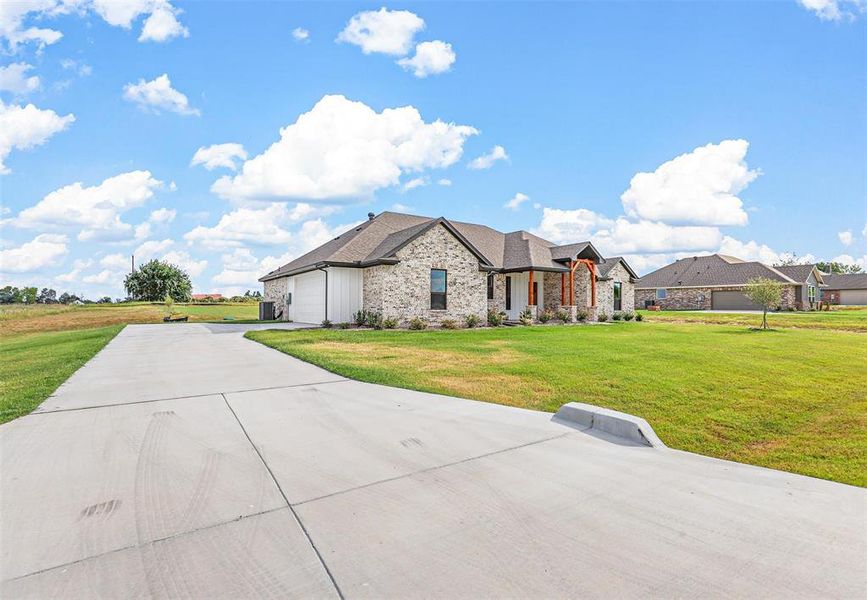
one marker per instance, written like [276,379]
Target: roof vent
[370,216]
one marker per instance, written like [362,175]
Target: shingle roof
[709,271]
[377,240]
[606,264]
[852,281]
[800,273]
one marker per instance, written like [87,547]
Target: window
[508,293]
[618,295]
[660,294]
[490,286]
[811,293]
[438,288]
[289,298]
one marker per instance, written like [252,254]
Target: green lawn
[850,319]
[33,365]
[791,399]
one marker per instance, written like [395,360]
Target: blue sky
[656,129]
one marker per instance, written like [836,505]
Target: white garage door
[731,300]
[853,297]
[309,297]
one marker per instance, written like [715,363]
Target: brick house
[405,266]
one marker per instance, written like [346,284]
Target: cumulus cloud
[163,216]
[848,259]
[383,31]
[749,251]
[567,226]
[25,127]
[431,58]
[516,202]
[342,149]
[182,259]
[247,226]
[845,237]
[447,182]
[14,31]
[42,251]
[300,34]
[15,80]
[74,275]
[835,10]
[76,66]
[158,95]
[699,187]
[95,209]
[486,161]
[219,155]
[415,183]
[627,237]
[160,25]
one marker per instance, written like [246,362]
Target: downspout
[325,270]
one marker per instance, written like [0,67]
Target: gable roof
[849,281]
[801,273]
[377,241]
[607,264]
[709,271]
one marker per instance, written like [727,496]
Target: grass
[33,365]
[844,319]
[791,399]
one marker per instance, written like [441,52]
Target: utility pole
[132,256]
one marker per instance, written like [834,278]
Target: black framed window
[438,289]
[490,286]
[618,295]
[661,294]
[508,293]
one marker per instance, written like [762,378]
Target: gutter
[325,270]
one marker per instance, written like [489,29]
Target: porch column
[571,283]
[562,289]
[592,284]
[532,300]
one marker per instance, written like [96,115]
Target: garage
[853,297]
[308,299]
[732,300]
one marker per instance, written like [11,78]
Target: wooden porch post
[532,300]
[592,284]
[562,289]
[572,283]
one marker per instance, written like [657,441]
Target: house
[717,282]
[206,297]
[404,266]
[848,289]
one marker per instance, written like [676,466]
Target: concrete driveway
[186,461]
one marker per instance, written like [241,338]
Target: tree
[838,268]
[28,295]
[10,295]
[47,296]
[155,280]
[767,293]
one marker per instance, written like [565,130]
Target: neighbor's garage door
[856,297]
[309,297]
[729,300]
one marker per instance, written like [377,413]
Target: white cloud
[163,216]
[75,274]
[182,259]
[516,202]
[416,182]
[431,58]
[864,231]
[152,249]
[25,127]
[160,25]
[245,225]
[14,79]
[42,251]
[219,155]
[848,259]
[749,251]
[567,226]
[105,276]
[343,149]
[845,237]
[300,34]
[447,182]
[835,10]
[95,209]
[385,31]
[486,161]
[158,94]
[699,187]
[398,207]
[628,237]
[80,68]
[117,262]
[15,32]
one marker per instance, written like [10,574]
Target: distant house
[850,289]
[206,297]
[717,282]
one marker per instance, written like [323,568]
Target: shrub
[495,318]
[344,325]
[472,321]
[389,323]
[546,316]
[526,317]
[449,324]
[602,317]
[639,317]
[374,320]
[326,324]
[360,318]
[417,323]
[564,315]
[582,315]
[616,316]
[628,316]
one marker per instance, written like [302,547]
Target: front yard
[844,319]
[792,399]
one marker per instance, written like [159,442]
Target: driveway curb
[613,422]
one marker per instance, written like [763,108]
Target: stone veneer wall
[499,301]
[700,298]
[605,291]
[275,291]
[402,291]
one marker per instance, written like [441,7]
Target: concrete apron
[182,461]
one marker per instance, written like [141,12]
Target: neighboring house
[203,297]
[404,266]
[850,289]
[810,281]
[714,282]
